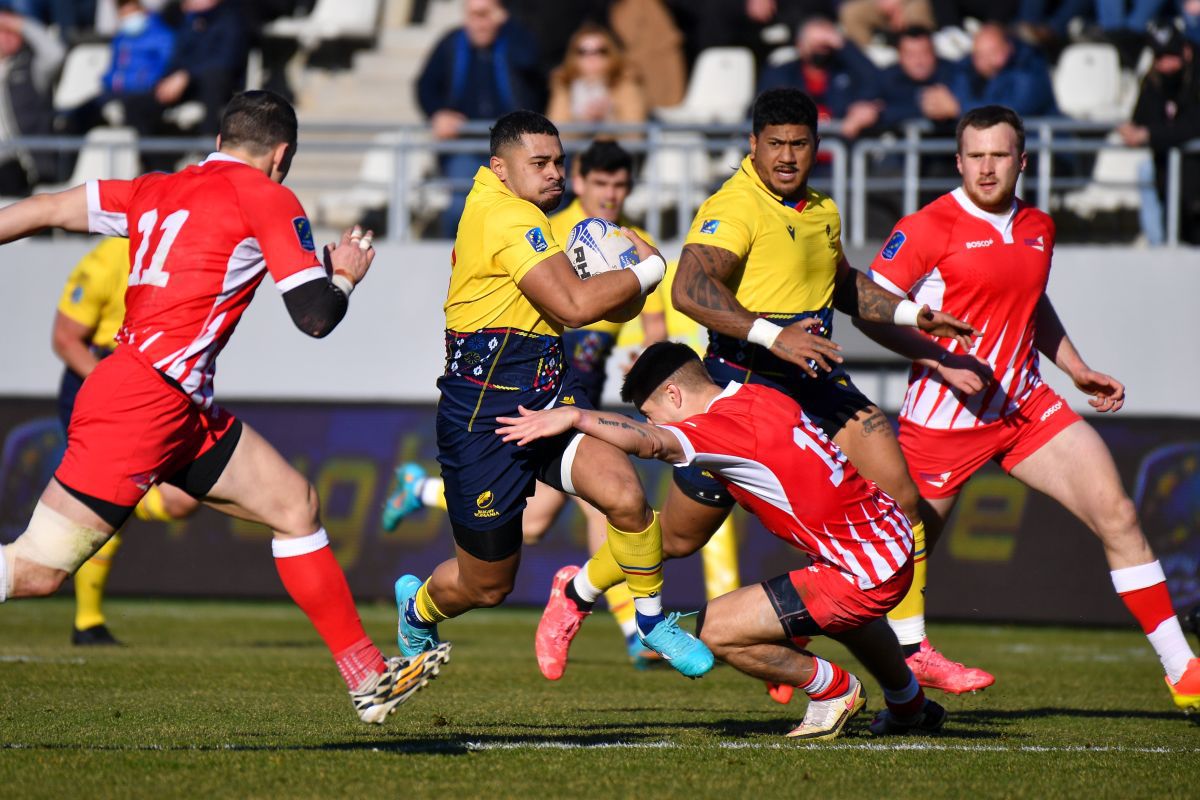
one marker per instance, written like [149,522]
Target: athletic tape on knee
[52,540]
[1130,579]
[568,461]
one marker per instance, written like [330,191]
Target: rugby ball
[596,245]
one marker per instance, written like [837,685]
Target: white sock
[1172,647]
[822,677]
[4,587]
[430,492]
[629,627]
[648,606]
[584,588]
[910,630]
[300,546]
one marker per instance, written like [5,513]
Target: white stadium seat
[1088,82]
[1114,181]
[373,189]
[720,89]
[328,21]
[106,153]
[82,72]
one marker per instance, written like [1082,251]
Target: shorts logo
[144,481]
[1049,411]
[710,226]
[484,504]
[567,400]
[980,243]
[303,229]
[893,245]
[537,240]
[935,479]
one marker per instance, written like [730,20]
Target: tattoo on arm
[612,423]
[861,297]
[876,423]
[701,289]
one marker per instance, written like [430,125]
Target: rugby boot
[683,651]
[559,623]
[380,695]
[825,719]
[1186,691]
[413,636]
[935,671]
[930,719]
[641,656]
[93,636]
[405,498]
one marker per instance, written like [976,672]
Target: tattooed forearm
[612,423]
[859,296]
[701,290]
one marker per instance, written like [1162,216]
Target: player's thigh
[176,502]
[741,618]
[869,442]
[687,522]
[488,581]
[257,484]
[1076,468]
[604,476]
[540,512]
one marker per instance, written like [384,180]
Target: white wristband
[906,313]
[343,283]
[764,333]
[649,272]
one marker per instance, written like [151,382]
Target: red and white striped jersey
[200,242]
[784,470]
[986,269]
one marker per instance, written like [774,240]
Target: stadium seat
[99,158]
[1088,82]
[329,20]
[683,170]
[82,72]
[1114,181]
[720,89]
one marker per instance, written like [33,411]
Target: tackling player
[512,291]
[758,443]
[981,253]
[89,315]
[763,268]
[201,241]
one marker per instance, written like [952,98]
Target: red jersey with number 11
[784,470]
[200,242]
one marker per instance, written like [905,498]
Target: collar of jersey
[1001,222]
[219,156]
[748,168]
[729,391]
[492,181]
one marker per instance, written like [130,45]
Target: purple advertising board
[1008,552]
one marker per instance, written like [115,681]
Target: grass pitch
[224,699]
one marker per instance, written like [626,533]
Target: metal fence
[680,165]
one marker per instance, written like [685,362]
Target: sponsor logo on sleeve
[893,245]
[1038,243]
[537,240]
[710,226]
[77,294]
[303,229]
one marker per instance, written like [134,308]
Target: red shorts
[132,429]
[824,599]
[941,461]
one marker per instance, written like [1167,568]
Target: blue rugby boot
[412,634]
[405,498]
[683,651]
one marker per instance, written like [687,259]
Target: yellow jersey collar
[485,177]
[748,168]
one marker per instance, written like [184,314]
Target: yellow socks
[720,557]
[639,557]
[424,606]
[152,508]
[90,580]
[908,617]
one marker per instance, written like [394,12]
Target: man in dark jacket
[481,71]
[1005,72]
[908,86]
[29,61]
[1167,115]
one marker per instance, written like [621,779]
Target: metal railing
[680,165]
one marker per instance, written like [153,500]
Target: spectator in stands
[653,48]
[71,17]
[552,24]
[208,66]
[480,71]
[999,71]
[741,23]
[918,74]
[1167,115]
[593,85]
[29,60]
[1126,21]
[833,72]
[863,20]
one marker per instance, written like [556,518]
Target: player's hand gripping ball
[597,245]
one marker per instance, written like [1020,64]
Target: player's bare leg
[687,525]
[743,630]
[540,512]
[257,484]
[632,552]
[871,445]
[1076,469]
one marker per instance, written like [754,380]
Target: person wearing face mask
[141,50]
[1167,115]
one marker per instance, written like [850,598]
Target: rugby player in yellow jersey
[762,268]
[89,314]
[512,292]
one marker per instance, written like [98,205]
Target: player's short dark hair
[512,126]
[605,155]
[988,117]
[258,121]
[783,106]
[659,362]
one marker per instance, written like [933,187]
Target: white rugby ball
[596,245]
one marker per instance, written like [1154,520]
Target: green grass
[223,699]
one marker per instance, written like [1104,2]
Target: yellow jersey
[561,225]
[94,295]
[789,256]
[500,238]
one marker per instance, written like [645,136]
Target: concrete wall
[1130,312]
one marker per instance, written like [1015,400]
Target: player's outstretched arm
[636,438]
[855,294]
[317,306]
[1050,337]
[67,210]
[701,291]
[965,372]
[564,297]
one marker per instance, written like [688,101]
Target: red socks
[828,680]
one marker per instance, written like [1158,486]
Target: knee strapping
[53,541]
